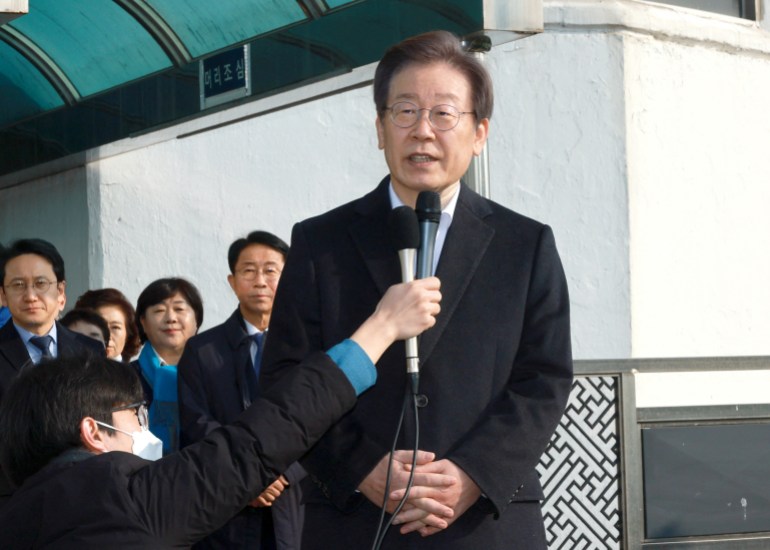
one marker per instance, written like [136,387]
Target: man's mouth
[421,158]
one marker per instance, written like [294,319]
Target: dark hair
[87,316]
[103,297]
[41,412]
[255,237]
[33,246]
[163,289]
[428,48]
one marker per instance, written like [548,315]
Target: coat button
[421,400]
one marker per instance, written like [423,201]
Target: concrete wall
[55,208]
[635,130]
[699,198]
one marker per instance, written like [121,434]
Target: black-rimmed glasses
[141,413]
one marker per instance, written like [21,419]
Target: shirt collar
[449,209]
[26,335]
[251,329]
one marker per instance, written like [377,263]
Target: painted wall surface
[172,209]
[699,194]
[56,209]
[557,154]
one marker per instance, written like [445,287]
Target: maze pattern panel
[580,470]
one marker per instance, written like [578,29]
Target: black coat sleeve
[189,494]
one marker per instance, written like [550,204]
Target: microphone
[405,236]
[428,215]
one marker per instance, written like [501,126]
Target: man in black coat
[72,428]
[496,370]
[33,287]
[218,381]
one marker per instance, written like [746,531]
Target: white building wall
[634,130]
[699,198]
[54,208]
[557,154]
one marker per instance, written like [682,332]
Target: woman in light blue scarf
[169,311]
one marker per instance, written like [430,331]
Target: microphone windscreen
[404,231]
[428,206]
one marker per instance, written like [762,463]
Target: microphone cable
[383,527]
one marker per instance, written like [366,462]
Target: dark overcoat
[496,369]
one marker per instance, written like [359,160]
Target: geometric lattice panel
[580,470]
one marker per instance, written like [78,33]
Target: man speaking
[496,369]
[75,441]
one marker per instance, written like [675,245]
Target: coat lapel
[466,243]
[240,344]
[12,348]
[371,235]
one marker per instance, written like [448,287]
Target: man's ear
[93,438]
[231,281]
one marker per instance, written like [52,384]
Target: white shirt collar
[26,335]
[251,329]
[34,352]
[447,215]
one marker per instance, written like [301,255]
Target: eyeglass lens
[443,117]
[40,286]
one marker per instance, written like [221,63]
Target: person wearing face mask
[168,312]
[76,443]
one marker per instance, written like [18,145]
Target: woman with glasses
[169,311]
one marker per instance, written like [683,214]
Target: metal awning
[75,74]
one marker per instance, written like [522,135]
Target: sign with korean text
[225,76]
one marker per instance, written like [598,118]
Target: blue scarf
[164,410]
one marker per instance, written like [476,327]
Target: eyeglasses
[270,273]
[405,114]
[19,288]
[141,413]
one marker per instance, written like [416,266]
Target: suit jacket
[496,369]
[14,354]
[118,500]
[14,357]
[215,379]
[216,383]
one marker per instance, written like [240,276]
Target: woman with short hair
[169,311]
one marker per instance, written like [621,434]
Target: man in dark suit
[496,369]
[218,380]
[33,288]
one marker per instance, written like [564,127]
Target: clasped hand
[441,491]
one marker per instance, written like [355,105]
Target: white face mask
[145,444]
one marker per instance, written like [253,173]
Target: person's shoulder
[372,202]
[220,334]
[70,341]
[499,215]
[9,332]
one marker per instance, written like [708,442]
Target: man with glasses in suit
[33,288]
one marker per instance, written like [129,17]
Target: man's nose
[29,293]
[423,127]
